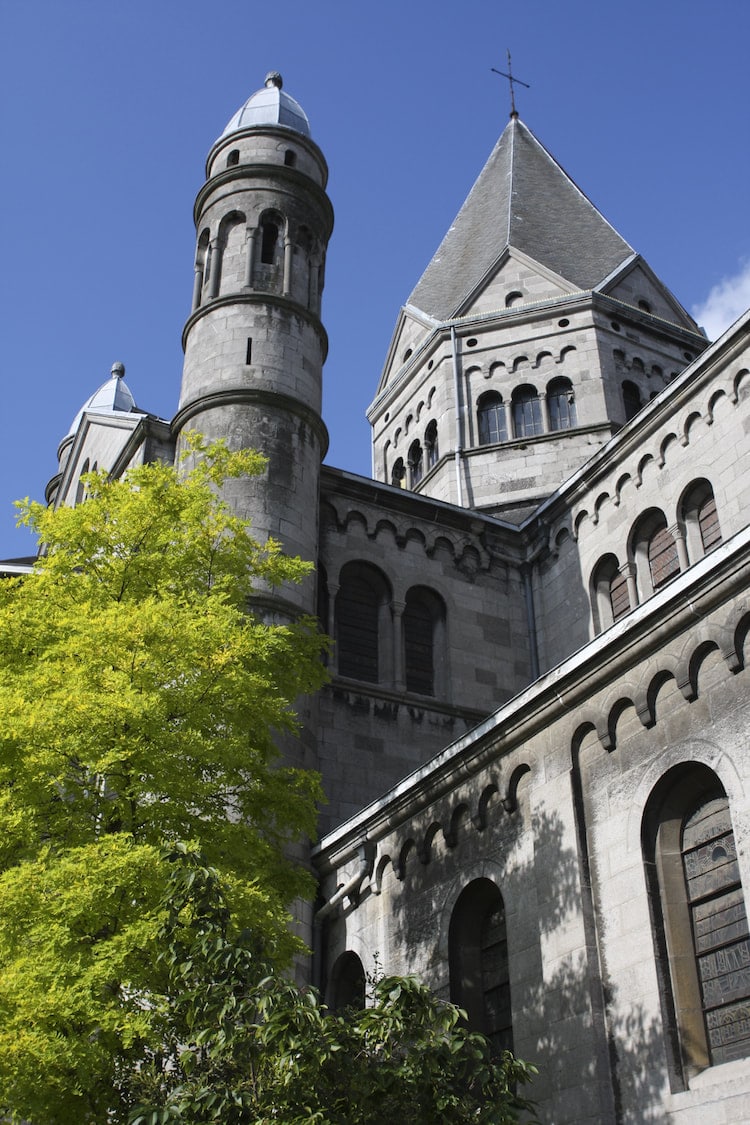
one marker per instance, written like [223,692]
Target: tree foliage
[240,1044]
[139,704]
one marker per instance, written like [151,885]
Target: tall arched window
[269,239]
[527,412]
[561,405]
[610,599]
[398,473]
[699,519]
[423,623]
[631,399]
[431,444]
[491,418]
[700,924]
[348,983]
[478,959]
[653,551]
[416,464]
[361,618]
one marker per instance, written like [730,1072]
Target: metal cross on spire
[511,80]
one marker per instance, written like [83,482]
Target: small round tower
[254,342]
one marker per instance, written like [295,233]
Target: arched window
[653,551]
[362,605]
[631,399]
[699,519]
[478,959]
[431,444]
[270,228]
[491,418]
[561,405]
[527,412]
[348,983]
[423,624]
[416,464]
[233,158]
[610,599]
[698,913]
[290,158]
[398,473]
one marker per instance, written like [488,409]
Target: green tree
[242,1045]
[139,703]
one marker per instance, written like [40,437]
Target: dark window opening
[478,957]
[269,241]
[249,351]
[416,464]
[431,444]
[357,606]
[233,158]
[631,399]
[290,158]
[419,632]
[398,473]
[347,983]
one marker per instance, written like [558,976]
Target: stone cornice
[250,395]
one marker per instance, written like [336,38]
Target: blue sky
[110,108]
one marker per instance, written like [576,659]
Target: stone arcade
[535,737]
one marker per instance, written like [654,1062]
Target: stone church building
[534,740]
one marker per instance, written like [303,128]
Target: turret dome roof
[270,106]
[113,395]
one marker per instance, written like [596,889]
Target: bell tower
[254,342]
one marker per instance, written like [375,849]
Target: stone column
[288,252]
[628,570]
[250,240]
[679,537]
[213,279]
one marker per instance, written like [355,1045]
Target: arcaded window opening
[478,960]
[491,424]
[561,405]
[699,920]
[416,464]
[362,622]
[527,413]
[631,399]
[348,983]
[269,241]
[431,444]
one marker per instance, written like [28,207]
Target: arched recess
[416,463]
[398,473]
[699,921]
[423,624]
[561,405]
[233,245]
[81,487]
[631,399]
[431,444]
[348,983]
[363,627]
[270,241]
[699,519]
[653,552]
[491,423]
[610,599]
[527,412]
[201,266]
[478,962]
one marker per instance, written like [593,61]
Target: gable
[515,280]
[637,285]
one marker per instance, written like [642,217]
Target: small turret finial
[511,80]
[118,370]
[273,78]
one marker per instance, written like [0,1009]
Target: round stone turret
[254,342]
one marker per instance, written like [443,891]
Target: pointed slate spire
[522,199]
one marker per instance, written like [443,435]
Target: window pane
[662,558]
[708,522]
[357,632]
[418,648]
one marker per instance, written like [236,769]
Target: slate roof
[523,199]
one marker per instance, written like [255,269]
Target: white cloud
[726,301]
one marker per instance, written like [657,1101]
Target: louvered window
[720,929]
[418,626]
[662,558]
[708,523]
[619,597]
